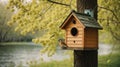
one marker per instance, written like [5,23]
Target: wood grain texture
[91,38]
[79,36]
[74,41]
[80,45]
[85,58]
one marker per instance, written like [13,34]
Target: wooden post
[86,58]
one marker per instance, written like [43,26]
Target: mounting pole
[86,58]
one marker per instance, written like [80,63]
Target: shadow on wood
[86,58]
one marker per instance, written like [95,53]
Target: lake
[14,55]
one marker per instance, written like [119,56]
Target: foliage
[108,15]
[113,61]
[7,33]
[4,17]
[43,16]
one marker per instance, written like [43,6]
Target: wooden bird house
[81,31]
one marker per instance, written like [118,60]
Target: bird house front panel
[74,33]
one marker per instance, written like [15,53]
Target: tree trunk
[86,58]
[87,4]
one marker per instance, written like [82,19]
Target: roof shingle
[87,20]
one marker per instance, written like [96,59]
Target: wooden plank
[91,39]
[80,45]
[66,21]
[79,33]
[91,46]
[74,42]
[69,29]
[88,31]
[91,42]
[72,24]
[75,38]
[90,36]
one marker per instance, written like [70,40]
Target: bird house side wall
[91,38]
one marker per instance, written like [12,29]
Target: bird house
[81,32]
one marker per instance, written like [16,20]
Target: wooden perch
[62,44]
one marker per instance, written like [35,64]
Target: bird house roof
[85,19]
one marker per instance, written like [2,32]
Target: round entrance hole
[74,31]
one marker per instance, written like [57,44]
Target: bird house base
[78,48]
[64,46]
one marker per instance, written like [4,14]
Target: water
[14,55]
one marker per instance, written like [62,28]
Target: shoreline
[18,43]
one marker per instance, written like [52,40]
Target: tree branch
[114,34]
[57,3]
[111,12]
[101,19]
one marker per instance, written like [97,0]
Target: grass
[103,61]
[109,61]
[64,63]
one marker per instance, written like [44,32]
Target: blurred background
[17,50]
